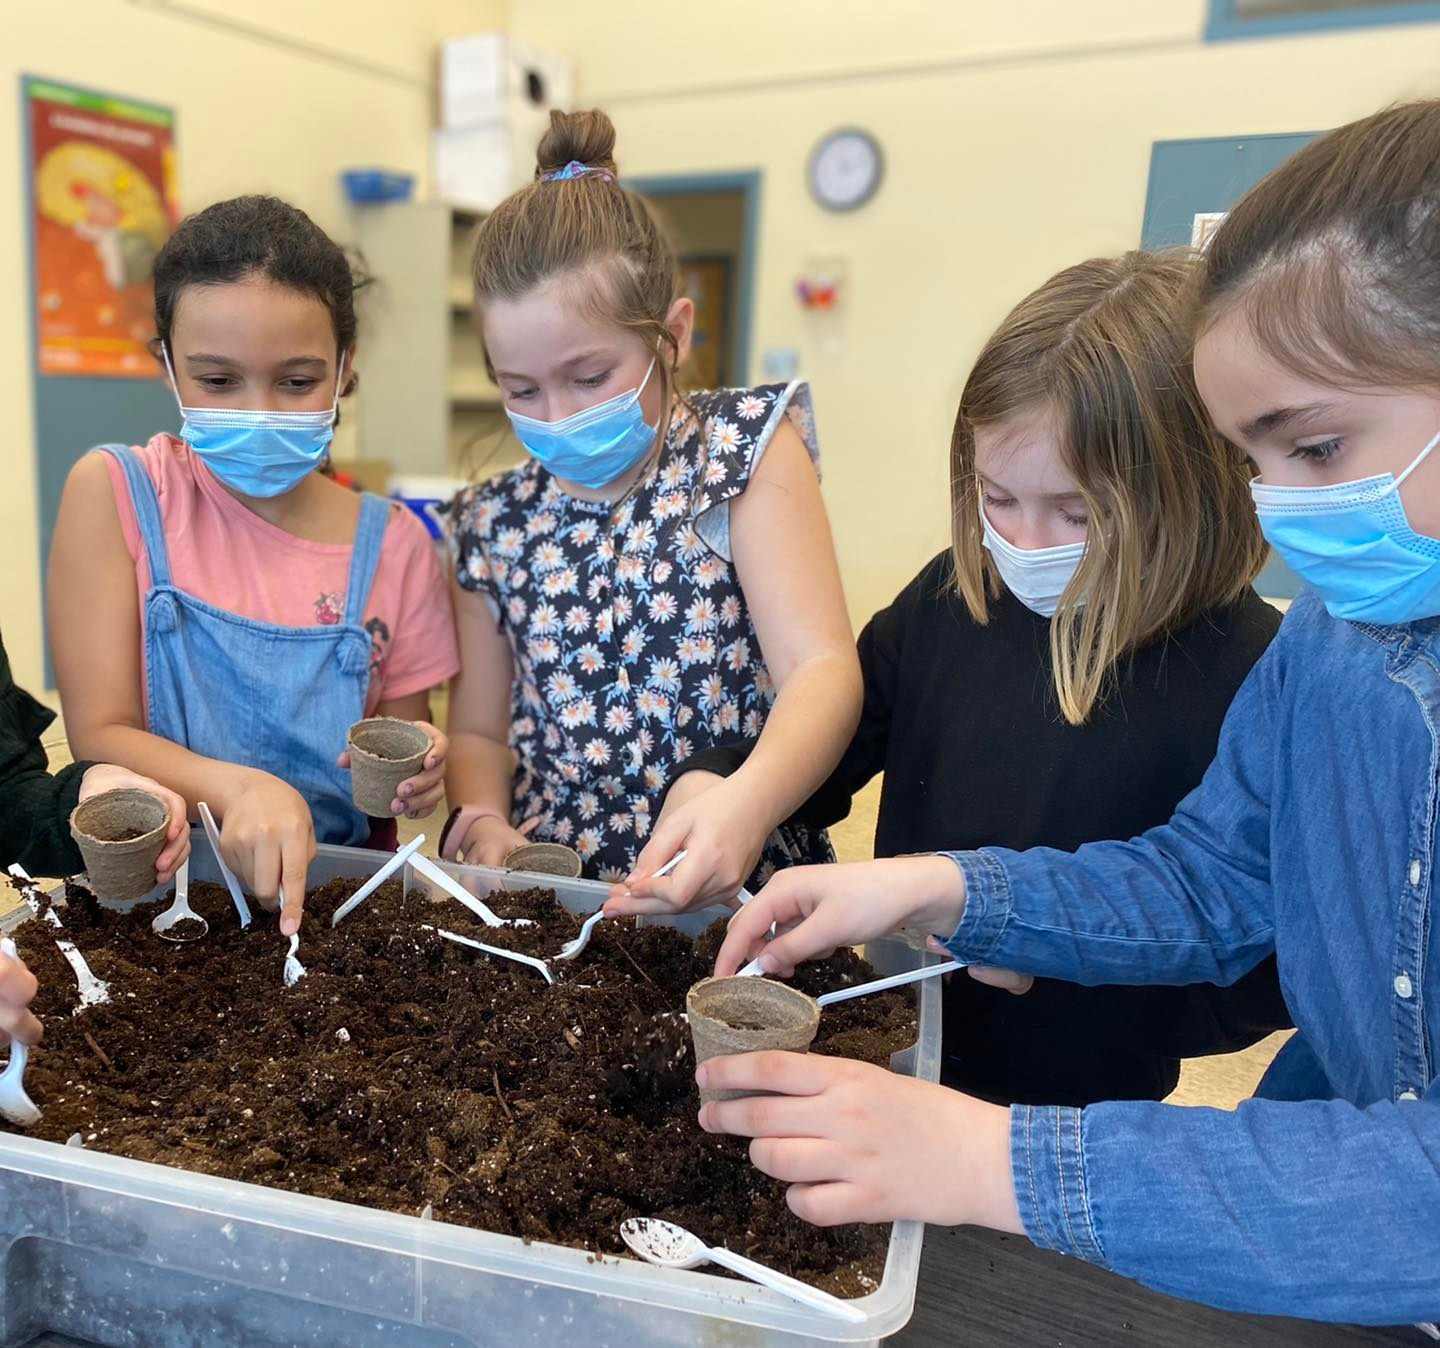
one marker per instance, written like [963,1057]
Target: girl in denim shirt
[1312,836]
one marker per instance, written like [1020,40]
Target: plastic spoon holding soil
[15,1105]
[570,949]
[231,882]
[673,1246]
[376,880]
[180,922]
[496,950]
[93,990]
[294,970]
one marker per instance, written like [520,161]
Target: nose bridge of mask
[588,416]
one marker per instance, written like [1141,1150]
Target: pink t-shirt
[225,555]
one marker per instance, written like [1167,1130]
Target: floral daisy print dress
[632,642]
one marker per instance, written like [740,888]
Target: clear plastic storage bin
[122,1252]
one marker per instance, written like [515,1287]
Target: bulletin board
[1192,184]
[99,197]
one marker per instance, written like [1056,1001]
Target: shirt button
[1408,1095]
[1415,872]
[1404,987]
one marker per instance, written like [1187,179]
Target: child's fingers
[782,1074]
[17,983]
[798,1160]
[654,898]
[439,747]
[1017,984]
[344,760]
[18,1023]
[835,1204]
[292,887]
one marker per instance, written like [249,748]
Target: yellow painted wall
[1017,139]
[271,96]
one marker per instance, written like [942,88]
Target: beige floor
[1221,1081]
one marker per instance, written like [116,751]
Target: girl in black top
[1060,675]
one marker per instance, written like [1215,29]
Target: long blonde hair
[588,227]
[1171,533]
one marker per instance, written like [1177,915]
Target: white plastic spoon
[673,1246]
[376,880]
[93,990]
[496,950]
[15,1105]
[436,876]
[179,911]
[883,984]
[231,882]
[572,948]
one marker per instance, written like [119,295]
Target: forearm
[480,771]
[192,775]
[806,732]
[1164,908]
[1316,1209]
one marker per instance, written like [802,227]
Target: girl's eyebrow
[581,359]
[1283,418]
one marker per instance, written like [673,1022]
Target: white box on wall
[490,77]
[495,101]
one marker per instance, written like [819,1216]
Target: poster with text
[103,189]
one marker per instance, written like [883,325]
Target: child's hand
[107,777]
[268,840]
[829,906]
[711,819]
[17,988]
[418,796]
[859,1144]
[485,839]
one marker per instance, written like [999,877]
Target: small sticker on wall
[1204,226]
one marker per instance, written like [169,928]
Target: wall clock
[845,169]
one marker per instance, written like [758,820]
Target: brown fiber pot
[383,753]
[120,867]
[546,858]
[783,1018]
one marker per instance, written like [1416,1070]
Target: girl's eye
[299,385]
[520,394]
[997,502]
[594,380]
[215,383]
[1322,451]
[1074,521]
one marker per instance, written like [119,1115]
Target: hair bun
[583,137]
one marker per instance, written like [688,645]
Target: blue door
[1202,177]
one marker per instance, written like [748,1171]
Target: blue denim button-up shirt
[1313,834]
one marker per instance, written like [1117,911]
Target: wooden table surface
[982,1290]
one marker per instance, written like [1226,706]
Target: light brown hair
[1336,254]
[1103,348]
[589,228]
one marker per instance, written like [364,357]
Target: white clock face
[845,170]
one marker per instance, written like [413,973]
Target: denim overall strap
[147,511]
[365,558]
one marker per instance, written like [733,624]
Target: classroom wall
[271,96]
[1017,139]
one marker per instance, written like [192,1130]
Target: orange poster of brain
[104,198]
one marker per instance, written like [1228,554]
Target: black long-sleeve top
[962,720]
[34,805]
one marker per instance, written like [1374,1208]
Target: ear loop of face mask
[283,416]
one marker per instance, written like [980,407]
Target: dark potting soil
[407,1070]
[187,929]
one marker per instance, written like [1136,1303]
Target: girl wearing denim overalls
[1313,836]
[221,612]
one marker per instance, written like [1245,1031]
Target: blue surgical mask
[258,453]
[594,446]
[1354,545]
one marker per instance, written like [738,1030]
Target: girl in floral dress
[625,598]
